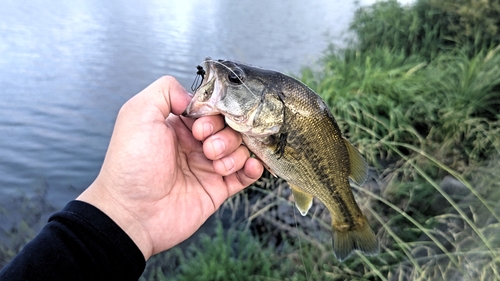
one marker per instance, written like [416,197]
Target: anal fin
[303,200]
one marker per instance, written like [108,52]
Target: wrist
[120,214]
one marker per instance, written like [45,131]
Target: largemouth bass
[292,131]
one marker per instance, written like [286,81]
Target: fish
[292,131]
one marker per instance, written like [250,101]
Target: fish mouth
[207,95]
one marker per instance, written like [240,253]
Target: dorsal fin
[359,168]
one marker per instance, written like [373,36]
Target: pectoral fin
[269,169]
[303,200]
[359,168]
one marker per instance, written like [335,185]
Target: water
[66,67]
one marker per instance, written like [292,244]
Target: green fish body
[290,128]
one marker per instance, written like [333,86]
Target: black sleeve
[78,243]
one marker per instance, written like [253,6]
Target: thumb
[165,94]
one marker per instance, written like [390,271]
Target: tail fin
[361,238]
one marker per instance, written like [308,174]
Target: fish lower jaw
[197,110]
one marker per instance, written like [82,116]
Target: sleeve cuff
[117,250]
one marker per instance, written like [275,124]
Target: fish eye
[236,76]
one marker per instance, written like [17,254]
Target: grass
[420,111]
[418,92]
[26,223]
[242,257]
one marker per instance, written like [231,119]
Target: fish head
[241,93]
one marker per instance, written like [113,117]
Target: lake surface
[66,67]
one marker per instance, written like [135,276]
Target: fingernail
[228,163]
[219,146]
[208,129]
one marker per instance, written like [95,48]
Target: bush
[418,92]
[429,27]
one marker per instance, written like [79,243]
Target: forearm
[78,243]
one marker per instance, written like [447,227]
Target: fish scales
[310,125]
[289,127]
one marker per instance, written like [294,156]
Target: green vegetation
[418,92]
[241,255]
[28,222]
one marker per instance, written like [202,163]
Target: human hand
[165,174]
